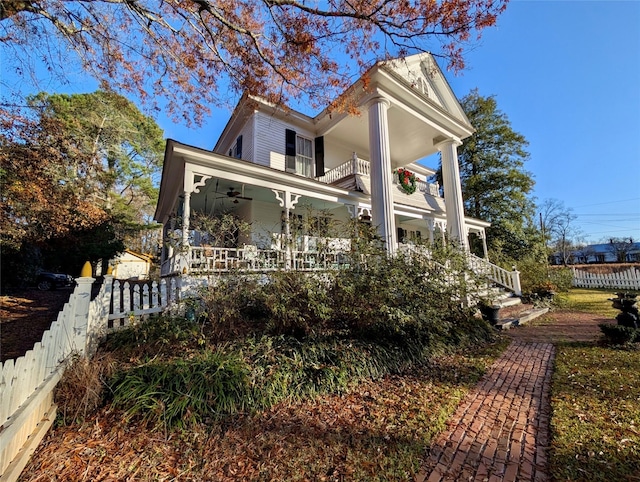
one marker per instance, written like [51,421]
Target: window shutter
[319,147]
[290,150]
[239,148]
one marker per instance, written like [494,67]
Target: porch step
[508,300]
[520,318]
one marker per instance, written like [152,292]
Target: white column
[381,175]
[431,228]
[288,201]
[483,236]
[453,192]
[186,214]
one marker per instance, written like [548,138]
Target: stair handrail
[505,278]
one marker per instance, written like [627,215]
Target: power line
[609,214]
[610,202]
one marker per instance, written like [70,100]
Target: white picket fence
[27,383]
[624,280]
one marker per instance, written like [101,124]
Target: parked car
[50,281]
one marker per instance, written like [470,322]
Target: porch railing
[211,260]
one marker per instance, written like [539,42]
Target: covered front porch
[294,222]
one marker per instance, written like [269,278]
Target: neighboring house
[131,265]
[273,167]
[612,252]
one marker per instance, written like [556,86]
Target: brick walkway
[500,431]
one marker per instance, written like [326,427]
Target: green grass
[595,420]
[595,404]
[588,300]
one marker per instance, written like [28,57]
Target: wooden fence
[624,280]
[27,383]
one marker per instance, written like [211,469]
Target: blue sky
[567,75]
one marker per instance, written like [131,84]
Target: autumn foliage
[40,200]
[198,52]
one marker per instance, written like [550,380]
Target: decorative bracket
[357,211]
[287,199]
[201,182]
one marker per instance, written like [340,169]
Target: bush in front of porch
[294,337]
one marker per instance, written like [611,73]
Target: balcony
[345,176]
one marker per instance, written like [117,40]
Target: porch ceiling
[213,197]
[410,138]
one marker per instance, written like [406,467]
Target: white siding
[247,144]
[270,139]
[129,266]
[265,219]
[335,155]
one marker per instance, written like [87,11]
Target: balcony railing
[362,167]
[352,166]
[433,189]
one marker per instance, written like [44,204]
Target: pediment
[422,73]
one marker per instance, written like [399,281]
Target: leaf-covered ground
[24,316]
[378,431]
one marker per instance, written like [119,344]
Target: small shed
[131,265]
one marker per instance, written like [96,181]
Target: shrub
[619,335]
[231,303]
[405,299]
[562,278]
[158,334]
[539,281]
[180,392]
[81,388]
[297,304]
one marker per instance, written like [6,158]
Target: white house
[272,164]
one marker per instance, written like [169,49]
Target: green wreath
[407,180]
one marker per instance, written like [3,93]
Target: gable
[422,74]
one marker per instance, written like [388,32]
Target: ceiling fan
[231,194]
[238,195]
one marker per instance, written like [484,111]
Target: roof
[144,257]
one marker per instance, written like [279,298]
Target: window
[299,154]
[236,150]
[304,157]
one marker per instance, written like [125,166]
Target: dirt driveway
[24,317]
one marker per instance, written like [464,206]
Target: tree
[620,248]
[38,202]
[124,147]
[558,227]
[77,177]
[193,52]
[495,186]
